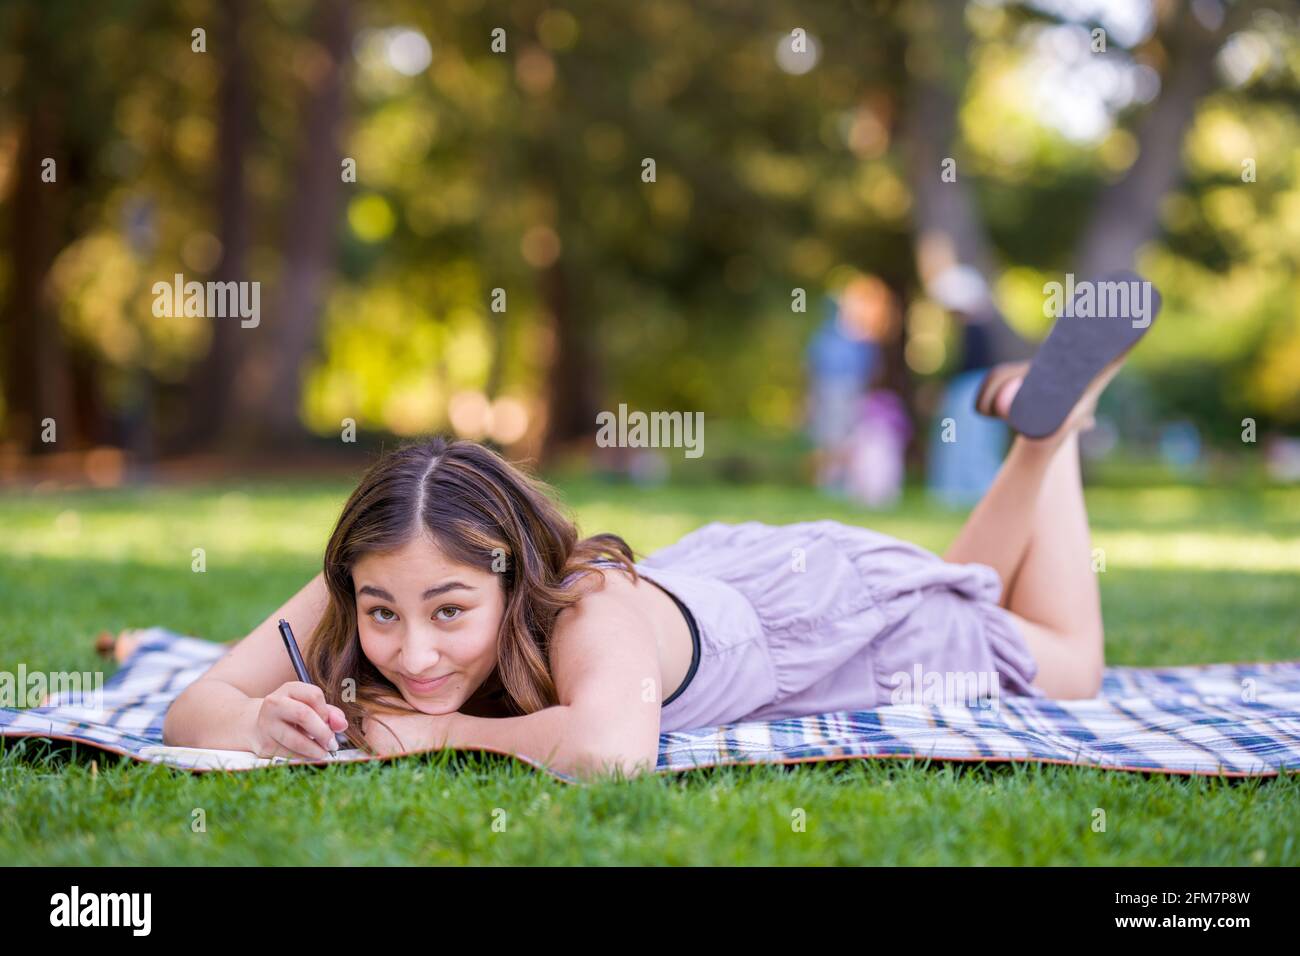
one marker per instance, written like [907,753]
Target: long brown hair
[481,511]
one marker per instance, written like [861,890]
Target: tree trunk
[271,401]
[36,378]
[954,254]
[213,385]
[1127,213]
[573,388]
[572,392]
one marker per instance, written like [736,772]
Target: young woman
[458,606]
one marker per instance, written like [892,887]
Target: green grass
[1193,574]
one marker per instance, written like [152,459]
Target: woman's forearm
[547,736]
[211,713]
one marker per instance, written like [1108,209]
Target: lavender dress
[820,616]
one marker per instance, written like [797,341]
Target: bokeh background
[779,166]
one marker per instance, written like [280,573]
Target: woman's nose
[419,653]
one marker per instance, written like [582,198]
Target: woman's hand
[414,732]
[294,720]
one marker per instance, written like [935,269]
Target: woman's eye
[449,608]
[381,610]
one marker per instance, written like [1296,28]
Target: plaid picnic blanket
[1234,720]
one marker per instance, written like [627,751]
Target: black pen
[300,668]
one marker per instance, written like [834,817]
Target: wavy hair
[478,508]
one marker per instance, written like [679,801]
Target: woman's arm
[605,663]
[219,710]
[548,736]
[557,727]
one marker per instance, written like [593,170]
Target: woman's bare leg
[1032,528]
[1054,595]
[999,529]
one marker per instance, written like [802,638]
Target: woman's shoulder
[604,604]
[588,568]
[586,580]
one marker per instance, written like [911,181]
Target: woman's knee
[1089,648]
[1079,664]
[1090,682]
[1084,679]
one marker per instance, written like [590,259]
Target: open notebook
[204,758]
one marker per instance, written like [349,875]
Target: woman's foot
[1081,417]
[1003,384]
[119,647]
[996,382]
[1056,393]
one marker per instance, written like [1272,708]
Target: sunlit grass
[1192,575]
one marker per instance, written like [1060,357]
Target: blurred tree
[1126,214]
[269,403]
[215,379]
[955,255]
[49,158]
[793,145]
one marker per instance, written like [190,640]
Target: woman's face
[421,616]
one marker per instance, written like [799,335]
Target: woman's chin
[434,709]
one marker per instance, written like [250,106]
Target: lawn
[1193,574]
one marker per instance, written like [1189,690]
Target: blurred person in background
[877,448]
[844,357]
[966,448]
[876,445]
[840,356]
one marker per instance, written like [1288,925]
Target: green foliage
[486,170]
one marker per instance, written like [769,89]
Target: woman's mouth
[426,686]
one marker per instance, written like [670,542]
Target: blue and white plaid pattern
[1235,720]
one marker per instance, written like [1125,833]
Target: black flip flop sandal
[1084,343]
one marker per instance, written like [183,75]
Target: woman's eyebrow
[431,592]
